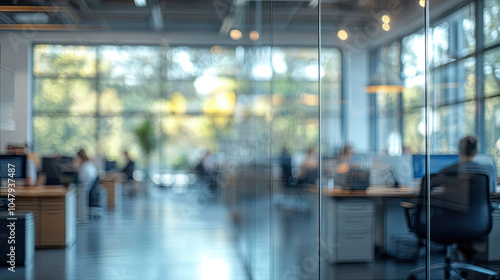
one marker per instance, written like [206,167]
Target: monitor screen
[19,163]
[56,169]
[110,165]
[389,170]
[437,162]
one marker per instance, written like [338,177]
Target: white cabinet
[353,230]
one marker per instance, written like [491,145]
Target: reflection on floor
[164,235]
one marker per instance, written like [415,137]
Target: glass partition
[313,121]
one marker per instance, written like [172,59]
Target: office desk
[357,222]
[113,188]
[54,212]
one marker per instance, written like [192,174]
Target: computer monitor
[58,170]
[110,165]
[437,162]
[391,170]
[19,165]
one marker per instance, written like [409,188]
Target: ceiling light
[342,35]
[422,3]
[31,18]
[386,26]
[235,34]
[386,19]
[140,3]
[254,35]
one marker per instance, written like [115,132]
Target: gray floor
[166,234]
[181,234]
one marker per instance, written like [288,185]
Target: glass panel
[492,128]
[492,72]
[64,135]
[78,61]
[413,59]
[491,19]
[455,82]
[70,95]
[451,123]
[454,36]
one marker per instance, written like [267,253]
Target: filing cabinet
[353,231]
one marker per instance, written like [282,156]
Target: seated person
[128,169]
[309,168]
[87,171]
[468,148]
[345,160]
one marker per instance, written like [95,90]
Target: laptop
[355,179]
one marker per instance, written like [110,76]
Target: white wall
[16,55]
[355,79]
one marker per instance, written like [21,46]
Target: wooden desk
[113,188]
[54,212]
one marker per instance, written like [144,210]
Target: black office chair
[460,213]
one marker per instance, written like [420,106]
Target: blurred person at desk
[468,148]
[31,169]
[128,172]
[309,168]
[345,160]
[87,176]
[87,171]
[128,169]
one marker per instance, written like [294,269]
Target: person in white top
[87,170]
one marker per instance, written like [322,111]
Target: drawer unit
[354,222]
[355,246]
[354,234]
[354,207]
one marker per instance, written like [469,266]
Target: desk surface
[379,191]
[38,191]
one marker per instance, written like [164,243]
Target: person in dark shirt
[128,169]
[286,167]
[468,148]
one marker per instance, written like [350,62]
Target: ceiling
[215,17]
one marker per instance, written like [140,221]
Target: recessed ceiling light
[254,35]
[31,18]
[235,34]
[342,34]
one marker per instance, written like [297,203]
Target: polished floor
[184,234]
[166,234]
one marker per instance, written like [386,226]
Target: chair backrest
[460,208]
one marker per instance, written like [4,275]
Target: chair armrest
[410,210]
[407,205]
